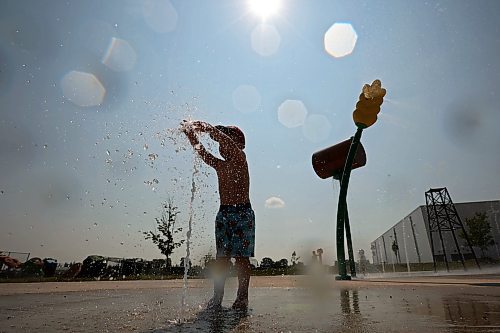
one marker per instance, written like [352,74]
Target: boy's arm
[198,147]
[220,137]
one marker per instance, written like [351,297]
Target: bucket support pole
[350,251]
[342,206]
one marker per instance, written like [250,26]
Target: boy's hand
[186,126]
[201,126]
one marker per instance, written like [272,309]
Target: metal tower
[443,217]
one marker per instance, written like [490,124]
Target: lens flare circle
[316,128]
[83,89]
[120,56]
[160,15]
[292,113]
[340,40]
[246,98]
[265,39]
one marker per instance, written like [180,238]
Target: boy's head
[234,133]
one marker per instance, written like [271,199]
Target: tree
[266,262]
[183,262]
[164,237]
[283,263]
[295,258]
[479,232]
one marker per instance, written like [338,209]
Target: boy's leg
[220,272]
[243,267]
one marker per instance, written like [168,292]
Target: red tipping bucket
[330,162]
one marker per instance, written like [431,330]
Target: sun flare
[264,8]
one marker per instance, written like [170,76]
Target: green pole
[342,206]
[350,251]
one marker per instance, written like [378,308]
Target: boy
[235,221]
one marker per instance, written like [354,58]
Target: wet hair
[234,133]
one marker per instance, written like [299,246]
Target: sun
[264,8]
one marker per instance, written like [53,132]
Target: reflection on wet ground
[352,319]
[472,312]
[213,320]
[277,304]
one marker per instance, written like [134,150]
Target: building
[408,241]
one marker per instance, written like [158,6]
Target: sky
[92,93]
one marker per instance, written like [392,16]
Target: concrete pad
[277,304]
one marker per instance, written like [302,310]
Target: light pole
[393,247]
[404,245]
[412,225]
[383,261]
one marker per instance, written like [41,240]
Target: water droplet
[45,146]
[121,243]
[108,153]
[145,145]
[95,224]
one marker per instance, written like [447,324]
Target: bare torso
[234,182]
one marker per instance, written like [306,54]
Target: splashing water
[335,188]
[187,263]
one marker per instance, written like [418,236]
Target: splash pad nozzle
[332,162]
[338,161]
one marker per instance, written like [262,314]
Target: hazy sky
[90,93]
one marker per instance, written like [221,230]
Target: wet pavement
[467,303]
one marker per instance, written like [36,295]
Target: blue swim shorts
[235,231]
